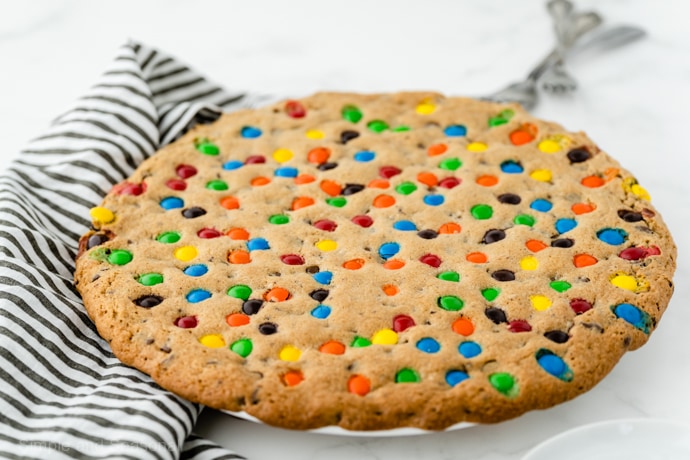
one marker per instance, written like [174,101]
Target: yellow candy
[640,191]
[529,263]
[549,146]
[327,245]
[290,353]
[540,302]
[102,215]
[625,282]
[314,134]
[477,147]
[282,155]
[186,253]
[426,107]
[385,337]
[543,175]
[212,341]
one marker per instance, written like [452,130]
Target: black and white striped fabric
[63,394]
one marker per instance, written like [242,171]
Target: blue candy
[171,202]
[195,270]
[428,345]
[541,205]
[198,295]
[565,225]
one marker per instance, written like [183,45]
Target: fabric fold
[63,393]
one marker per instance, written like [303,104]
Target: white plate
[633,439]
[337,431]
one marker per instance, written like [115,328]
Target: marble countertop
[633,101]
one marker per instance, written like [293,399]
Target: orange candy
[332,347]
[318,155]
[390,290]
[384,201]
[359,385]
[237,319]
[584,260]
[238,234]
[277,294]
[437,149]
[583,208]
[259,181]
[239,257]
[428,179]
[449,228]
[535,245]
[230,202]
[354,264]
[379,183]
[463,326]
[292,378]
[393,264]
[487,180]
[331,187]
[524,134]
[302,202]
[304,179]
[593,181]
[477,258]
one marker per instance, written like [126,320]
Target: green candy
[150,279]
[120,257]
[351,113]
[503,383]
[377,126]
[524,219]
[336,201]
[560,286]
[490,294]
[169,237]
[207,147]
[449,276]
[360,342]
[217,185]
[502,118]
[450,303]
[242,347]
[482,211]
[407,375]
[406,188]
[450,164]
[279,219]
[240,291]
[401,129]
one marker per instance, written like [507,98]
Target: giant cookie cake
[377,261]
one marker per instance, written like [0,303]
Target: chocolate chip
[193,212]
[427,234]
[579,155]
[557,336]
[509,198]
[268,328]
[312,269]
[493,235]
[148,301]
[347,136]
[503,275]
[496,315]
[629,216]
[96,240]
[327,166]
[319,295]
[351,189]
[252,306]
[562,243]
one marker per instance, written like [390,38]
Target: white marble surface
[633,102]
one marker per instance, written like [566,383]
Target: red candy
[295,109]
[208,233]
[431,259]
[186,322]
[389,171]
[580,306]
[176,184]
[449,182]
[363,221]
[638,253]
[292,259]
[402,322]
[255,160]
[325,225]
[185,171]
[128,188]
[519,325]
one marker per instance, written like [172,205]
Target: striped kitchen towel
[63,394]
